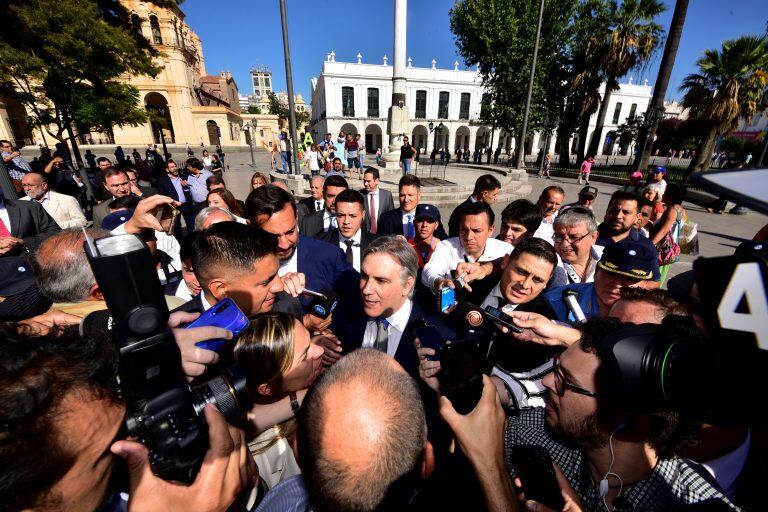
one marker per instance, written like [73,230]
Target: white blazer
[64,209]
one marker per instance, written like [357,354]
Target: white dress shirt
[565,274]
[319,204]
[397,324]
[406,218]
[329,220]
[183,291]
[495,298]
[449,253]
[206,305]
[291,264]
[355,248]
[546,230]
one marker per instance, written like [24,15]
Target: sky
[239,34]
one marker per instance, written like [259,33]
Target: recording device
[461,376]
[430,337]
[163,412]
[224,314]
[571,299]
[501,318]
[323,303]
[446,297]
[166,216]
[537,475]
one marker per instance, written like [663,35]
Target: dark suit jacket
[391,223]
[193,306]
[350,329]
[311,224]
[385,204]
[332,237]
[307,205]
[453,222]
[166,188]
[325,266]
[30,222]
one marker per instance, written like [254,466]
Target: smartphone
[534,467]
[461,375]
[501,318]
[167,217]
[446,298]
[430,337]
[226,315]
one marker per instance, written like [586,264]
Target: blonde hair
[263,177]
[655,191]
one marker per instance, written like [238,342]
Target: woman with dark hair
[666,232]
[223,198]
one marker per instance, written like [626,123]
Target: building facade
[354,97]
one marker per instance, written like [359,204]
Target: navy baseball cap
[629,258]
[659,169]
[15,275]
[427,210]
[115,219]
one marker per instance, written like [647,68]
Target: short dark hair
[186,245]
[103,159]
[351,196]
[535,247]
[674,194]
[409,180]
[336,158]
[112,171]
[524,212]
[214,180]
[267,200]
[334,181]
[551,188]
[38,374]
[477,208]
[231,246]
[124,203]
[396,452]
[623,195]
[170,161]
[195,163]
[656,296]
[373,172]
[486,183]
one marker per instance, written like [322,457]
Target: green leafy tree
[63,59]
[730,85]
[627,39]
[253,109]
[276,107]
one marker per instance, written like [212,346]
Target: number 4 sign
[746,287]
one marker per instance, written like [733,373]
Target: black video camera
[163,412]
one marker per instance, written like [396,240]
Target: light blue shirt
[197,186]
[179,188]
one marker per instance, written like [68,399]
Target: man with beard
[174,185]
[607,456]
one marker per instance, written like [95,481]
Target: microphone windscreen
[96,324]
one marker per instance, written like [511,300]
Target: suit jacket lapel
[14,215]
[54,204]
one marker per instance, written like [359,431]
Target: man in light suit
[376,197]
[64,209]
[23,224]
[351,236]
[325,220]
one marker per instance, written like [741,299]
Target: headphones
[604,487]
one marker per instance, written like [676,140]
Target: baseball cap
[629,258]
[427,210]
[588,191]
[752,247]
[636,174]
[15,275]
[659,169]
[115,219]
[679,287]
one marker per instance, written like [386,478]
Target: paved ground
[718,234]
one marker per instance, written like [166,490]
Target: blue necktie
[410,230]
[382,335]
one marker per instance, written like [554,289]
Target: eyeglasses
[561,381]
[560,239]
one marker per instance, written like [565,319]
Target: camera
[163,411]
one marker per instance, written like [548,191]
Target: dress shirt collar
[355,238]
[399,319]
[291,264]
[206,305]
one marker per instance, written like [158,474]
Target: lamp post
[520,164]
[248,129]
[294,146]
[438,131]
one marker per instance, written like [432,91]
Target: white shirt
[397,324]
[565,274]
[289,265]
[493,300]
[660,187]
[546,230]
[204,301]
[311,157]
[375,195]
[355,248]
[406,217]
[183,291]
[329,221]
[449,253]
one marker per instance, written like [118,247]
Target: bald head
[282,185]
[362,428]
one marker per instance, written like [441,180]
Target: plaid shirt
[17,167]
[674,484]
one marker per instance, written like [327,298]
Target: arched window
[136,24]
[154,25]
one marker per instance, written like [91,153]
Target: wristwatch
[295,406]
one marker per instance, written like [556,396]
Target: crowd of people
[350,412]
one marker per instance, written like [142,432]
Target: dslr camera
[163,411]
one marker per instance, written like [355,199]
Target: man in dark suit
[487,189]
[313,203]
[322,265]
[400,221]
[386,316]
[23,224]
[324,220]
[350,236]
[174,186]
[377,200]
[117,185]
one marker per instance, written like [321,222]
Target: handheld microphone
[323,303]
[571,299]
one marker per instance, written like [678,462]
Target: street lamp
[248,129]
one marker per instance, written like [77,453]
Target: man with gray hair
[211,215]
[385,316]
[65,276]
[575,234]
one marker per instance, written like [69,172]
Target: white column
[399,119]
[472,138]
[398,76]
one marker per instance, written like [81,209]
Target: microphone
[469,316]
[323,303]
[571,299]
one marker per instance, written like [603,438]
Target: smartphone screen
[430,337]
[461,375]
[500,318]
[446,298]
[226,315]
[534,467]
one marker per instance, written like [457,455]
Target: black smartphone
[534,467]
[500,318]
[461,375]
[430,337]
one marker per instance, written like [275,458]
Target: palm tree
[729,86]
[629,39]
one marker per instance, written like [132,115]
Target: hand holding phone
[430,337]
[537,474]
[500,318]
[446,297]
[461,377]
[226,315]
[166,216]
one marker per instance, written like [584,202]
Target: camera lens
[227,392]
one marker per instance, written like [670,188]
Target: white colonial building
[354,97]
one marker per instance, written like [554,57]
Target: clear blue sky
[238,34]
